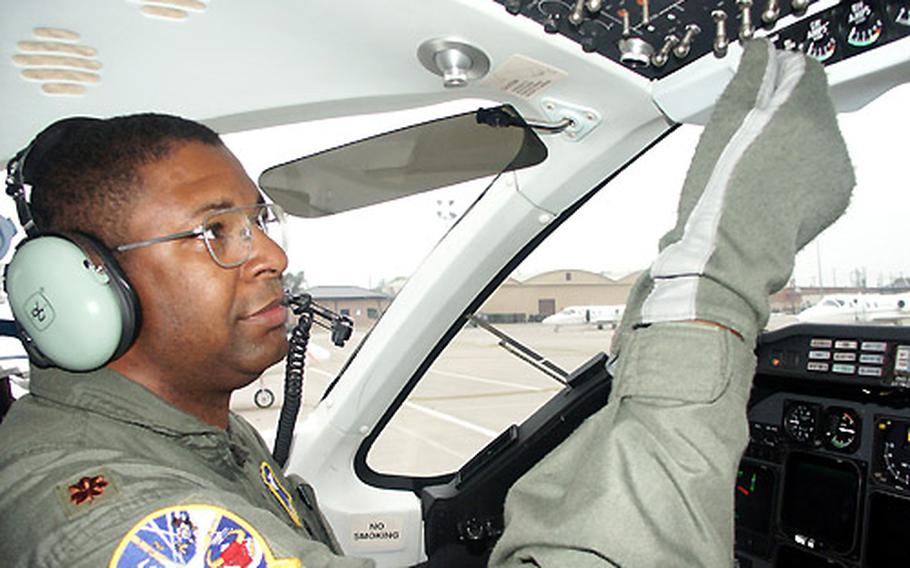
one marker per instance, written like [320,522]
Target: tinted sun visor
[404,162]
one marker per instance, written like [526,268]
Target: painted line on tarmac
[474,396]
[451,419]
[428,441]
[319,372]
[488,381]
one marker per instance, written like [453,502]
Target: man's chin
[264,356]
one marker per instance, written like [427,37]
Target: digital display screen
[820,500]
[886,539]
[754,497]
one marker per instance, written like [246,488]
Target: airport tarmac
[472,393]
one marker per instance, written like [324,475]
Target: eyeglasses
[228,233]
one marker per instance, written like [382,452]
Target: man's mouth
[272,314]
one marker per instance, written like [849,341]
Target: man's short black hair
[85,174]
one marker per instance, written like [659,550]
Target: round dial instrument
[895,450]
[842,429]
[863,25]
[820,41]
[800,422]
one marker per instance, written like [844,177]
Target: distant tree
[294,281]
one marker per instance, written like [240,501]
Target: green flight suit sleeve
[647,481]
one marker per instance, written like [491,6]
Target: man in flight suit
[143,461]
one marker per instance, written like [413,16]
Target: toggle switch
[746,29]
[577,15]
[660,58]
[799,6]
[771,13]
[685,44]
[721,43]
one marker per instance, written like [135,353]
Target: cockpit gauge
[842,429]
[800,421]
[893,446]
[820,40]
[899,12]
[862,24]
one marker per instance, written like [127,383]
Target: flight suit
[648,480]
[95,470]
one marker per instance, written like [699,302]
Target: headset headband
[20,170]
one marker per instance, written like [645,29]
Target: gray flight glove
[771,171]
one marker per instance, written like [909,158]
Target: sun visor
[405,162]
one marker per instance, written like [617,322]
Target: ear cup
[72,301]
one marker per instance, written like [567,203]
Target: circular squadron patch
[198,536]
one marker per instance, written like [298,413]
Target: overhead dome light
[55,59]
[171,9]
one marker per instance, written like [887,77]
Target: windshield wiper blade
[524,352]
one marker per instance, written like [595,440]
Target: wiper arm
[524,352]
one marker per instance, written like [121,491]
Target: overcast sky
[610,233]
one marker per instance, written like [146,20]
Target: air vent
[172,9]
[55,59]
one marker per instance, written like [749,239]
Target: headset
[73,305]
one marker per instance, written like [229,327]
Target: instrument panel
[868,356]
[658,37]
[825,480]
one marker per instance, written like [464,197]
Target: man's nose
[266,255]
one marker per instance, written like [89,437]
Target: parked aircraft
[600,316]
[859,308]
[574,93]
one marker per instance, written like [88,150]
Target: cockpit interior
[572,93]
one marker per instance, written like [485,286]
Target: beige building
[363,306]
[547,293]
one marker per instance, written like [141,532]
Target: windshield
[565,299]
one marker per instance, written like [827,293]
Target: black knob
[551,25]
[513,7]
[589,44]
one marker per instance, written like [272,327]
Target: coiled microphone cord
[293,379]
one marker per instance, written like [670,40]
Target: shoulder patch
[278,491]
[201,536]
[81,494]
